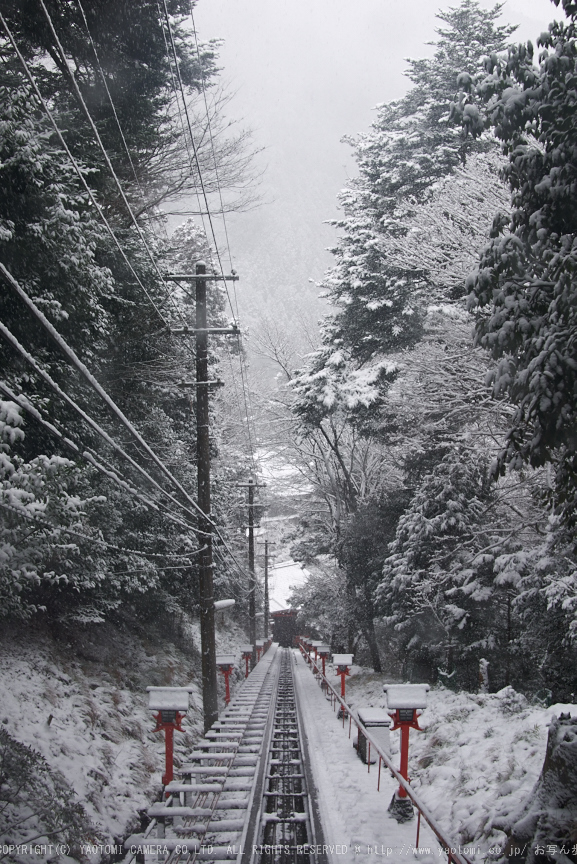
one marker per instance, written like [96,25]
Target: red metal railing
[452,851]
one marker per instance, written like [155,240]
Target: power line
[35,413]
[213,149]
[71,356]
[244,377]
[77,168]
[4,331]
[104,81]
[23,513]
[92,381]
[192,141]
[89,456]
[75,361]
[207,206]
[100,144]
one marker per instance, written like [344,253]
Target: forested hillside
[437,414]
[94,139]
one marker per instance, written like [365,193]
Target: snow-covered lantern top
[170,701]
[225,662]
[323,650]
[342,661]
[223,604]
[246,650]
[259,643]
[405,700]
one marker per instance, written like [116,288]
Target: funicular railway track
[243,794]
[288,829]
[246,793]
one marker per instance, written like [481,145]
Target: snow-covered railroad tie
[208,811]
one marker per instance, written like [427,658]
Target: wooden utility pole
[266,603]
[252,578]
[251,486]
[205,563]
[208,646]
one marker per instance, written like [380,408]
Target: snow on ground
[356,824]
[83,706]
[474,765]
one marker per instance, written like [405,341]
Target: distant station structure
[283,578]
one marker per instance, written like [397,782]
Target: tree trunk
[371,638]
[352,627]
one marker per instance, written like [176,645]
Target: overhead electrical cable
[21,512]
[244,377]
[173,81]
[89,456]
[189,124]
[4,331]
[89,377]
[212,145]
[198,168]
[68,351]
[78,169]
[213,233]
[102,147]
[105,82]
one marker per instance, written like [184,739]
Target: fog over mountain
[305,73]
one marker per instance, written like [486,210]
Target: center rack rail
[289,826]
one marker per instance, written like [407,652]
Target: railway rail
[244,794]
[288,822]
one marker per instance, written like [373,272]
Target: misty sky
[305,73]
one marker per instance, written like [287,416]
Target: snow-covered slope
[477,759]
[81,703]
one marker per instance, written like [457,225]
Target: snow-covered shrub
[38,557]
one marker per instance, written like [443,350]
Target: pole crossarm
[216,383]
[250,485]
[204,277]
[226,331]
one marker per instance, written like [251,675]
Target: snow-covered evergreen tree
[524,290]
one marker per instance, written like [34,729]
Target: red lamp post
[225,663]
[403,703]
[247,657]
[324,651]
[259,648]
[315,647]
[171,703]
[342,662]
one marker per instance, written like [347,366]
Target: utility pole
[205,563]
[252,578]
[251,486]
[266,616]
[266,603]
[209,681]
